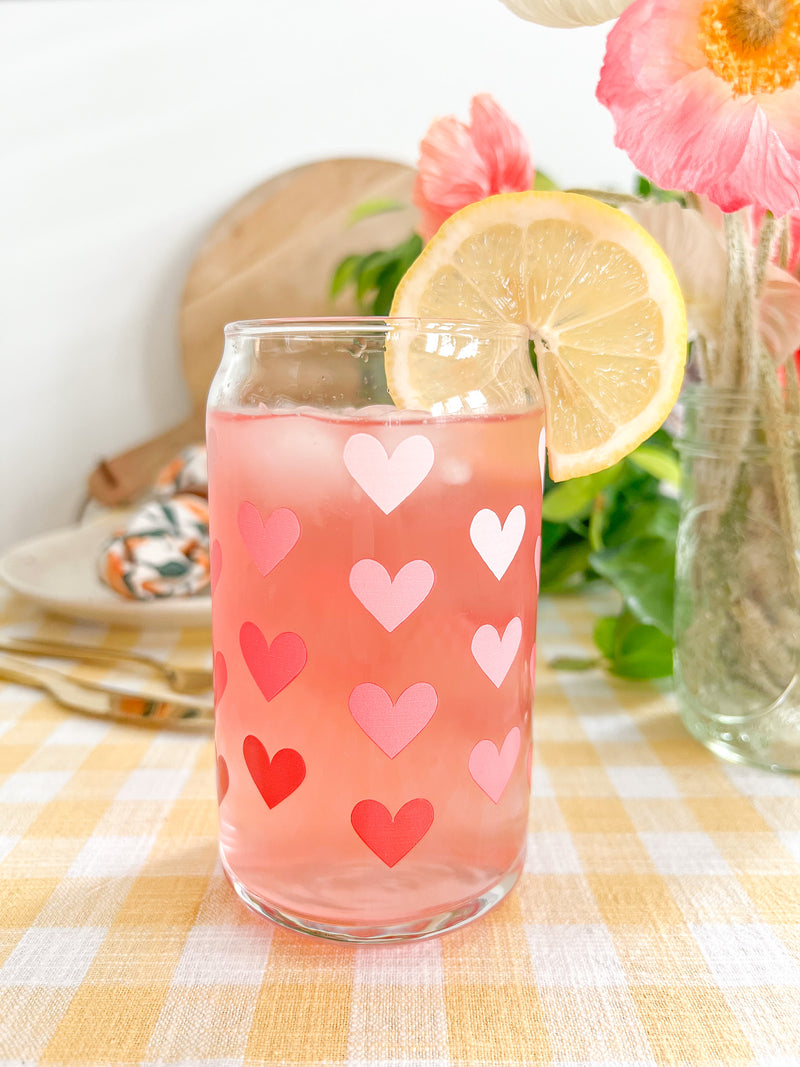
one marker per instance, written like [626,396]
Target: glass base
[386,933]
[770,740]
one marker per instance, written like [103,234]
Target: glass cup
[374,591]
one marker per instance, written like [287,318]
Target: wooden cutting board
[272,255]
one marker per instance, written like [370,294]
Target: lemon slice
[600,301]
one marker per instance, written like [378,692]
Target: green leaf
[640,651]
[649,190]
[565,568]
[658,462]
[573,499]
[344,274]
[657,517]
[542,182]
[642,570]
[604,634]
[597,522]
[376,206]
[376,275]
[574,663]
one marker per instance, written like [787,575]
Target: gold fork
[181,679]
[95,698]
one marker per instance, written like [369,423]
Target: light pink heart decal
[388,480]
[220,677]
[270,541]
[391,600]
[542,453]
[215,565]
[272,666]
[497,545]
[392,726]
[494,654]
[392,838]
[275,778]
[490,768]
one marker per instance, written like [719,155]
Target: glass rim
[375,325]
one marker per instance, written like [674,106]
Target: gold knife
[94,698]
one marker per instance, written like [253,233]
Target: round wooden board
[274,253]
[271,255]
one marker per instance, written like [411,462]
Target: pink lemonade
[374,613]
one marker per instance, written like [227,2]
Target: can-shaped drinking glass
[375,572]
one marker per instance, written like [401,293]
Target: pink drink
[374,759]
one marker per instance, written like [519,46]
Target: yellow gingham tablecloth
[657,922]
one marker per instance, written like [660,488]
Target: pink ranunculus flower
[459,163]
[706,97]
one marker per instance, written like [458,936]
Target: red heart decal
[223,779]
[220,677]
[272,666]
[392,838]
[275,779]
[215,565]
[270,541]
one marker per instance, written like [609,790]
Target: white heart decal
[388,480]
[497,545]
[391,600]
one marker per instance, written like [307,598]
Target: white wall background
[127,128]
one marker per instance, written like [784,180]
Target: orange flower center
[753,45]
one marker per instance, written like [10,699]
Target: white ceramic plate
[59,571]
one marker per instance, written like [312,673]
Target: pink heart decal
[223,779]
[271,541]
[272,666]
[491,769]
[388,480]
[215,565]
[275,778]
[391,600]
[220,677]
[497,545]
[494,654]
[392,726]
[392,838]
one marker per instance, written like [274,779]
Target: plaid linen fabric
[657,921]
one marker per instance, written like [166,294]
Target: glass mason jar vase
[374,611]
[737,607]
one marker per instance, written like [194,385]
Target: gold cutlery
[181,679]
[95,698]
